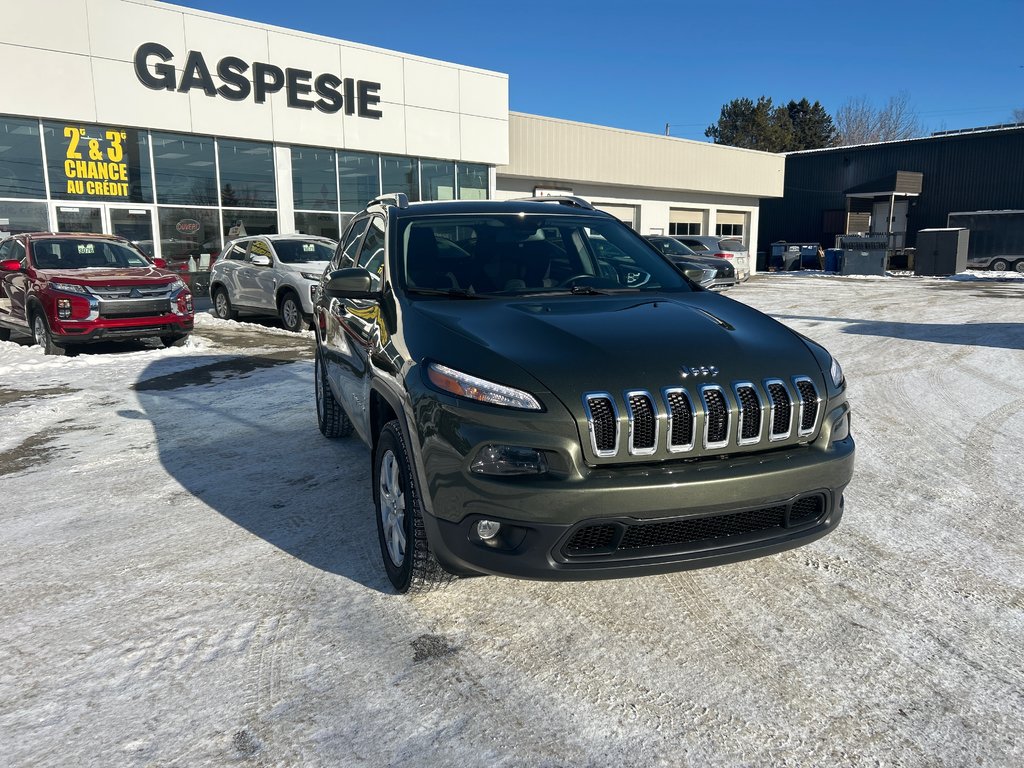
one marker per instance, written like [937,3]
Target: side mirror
[352,283]
[159,263]
[260,260]
[10,265]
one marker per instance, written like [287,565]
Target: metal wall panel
[961,172]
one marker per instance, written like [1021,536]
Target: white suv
[270,275]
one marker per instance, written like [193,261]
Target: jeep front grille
[762,412]
[626,538]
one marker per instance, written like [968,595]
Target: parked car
[271,275]
[724,273]
[66,289]
[722,248]
[545,396]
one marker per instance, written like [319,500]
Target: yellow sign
[94,166]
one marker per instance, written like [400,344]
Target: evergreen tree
[812,126]
[760,125]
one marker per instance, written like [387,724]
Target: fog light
[841,428]
[509,460]
[487,529]
[64,309]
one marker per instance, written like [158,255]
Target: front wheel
[408,560]
[173,341]
[43,337]
[222,305]
[291,313]
[330,416]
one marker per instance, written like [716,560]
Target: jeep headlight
[463,385]
[311,275]
[837,373]
[68,287]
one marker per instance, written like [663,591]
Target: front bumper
[642,519]
[112,329]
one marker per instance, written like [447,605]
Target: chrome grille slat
[770,411]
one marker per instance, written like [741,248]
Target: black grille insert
[717,425]
[632,538]
[643,422]
[782,410]
[681,414]
[750,413]
[602,419]
[809,409]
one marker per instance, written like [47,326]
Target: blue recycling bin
[833,259]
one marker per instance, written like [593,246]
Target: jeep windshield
[81,253]
[515,255]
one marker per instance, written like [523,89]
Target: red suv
[65,289]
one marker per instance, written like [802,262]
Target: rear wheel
[291,313]
[999,265]
[330,416]
[222,305]
[410,565]
[1019,266]
[43,337]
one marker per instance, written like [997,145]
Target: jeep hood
[576,344]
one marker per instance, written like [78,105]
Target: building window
[16,218]
[322,224]
[241,223]
[472,182]
[246,174]
[188,233]
[21,159]
[400,175]
[683,228]
[729,230]
[438,180]
[358,179]
[314,179]
[97,162]
[186,169]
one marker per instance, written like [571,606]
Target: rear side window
[731,245]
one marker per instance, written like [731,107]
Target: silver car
[270,275]
[722,247]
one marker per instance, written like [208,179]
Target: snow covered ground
[190,575]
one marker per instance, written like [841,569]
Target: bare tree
[859,122]
[1018,115]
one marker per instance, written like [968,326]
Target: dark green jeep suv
[546,396]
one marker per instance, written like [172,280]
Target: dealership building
[179,128]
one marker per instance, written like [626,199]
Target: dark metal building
[895,188]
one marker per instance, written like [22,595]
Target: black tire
[5,334]
[290,311]
[173,341]
[1019,266]
[222,305]
[999,265]
[42,336]
[330,416]
[410,565]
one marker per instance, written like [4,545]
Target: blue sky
[641,65]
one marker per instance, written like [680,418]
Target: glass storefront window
[97,162]
[400,174]
[359,177]
[472,182]
[16,218]
[186,169]
[322,224]
[241,223]
[21,159]
[246,174]
[314,179]
[438,179]
[187,233]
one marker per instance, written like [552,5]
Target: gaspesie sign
[155,68]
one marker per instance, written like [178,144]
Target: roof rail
[573,200]
[397,199]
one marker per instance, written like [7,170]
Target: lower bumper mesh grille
[632,538]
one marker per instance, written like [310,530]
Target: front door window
[79,218]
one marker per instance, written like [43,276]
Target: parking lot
[191,575]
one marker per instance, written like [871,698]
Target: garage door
[626,213]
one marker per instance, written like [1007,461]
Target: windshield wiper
[452,293]
[587,290]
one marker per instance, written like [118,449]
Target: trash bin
[833,259]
